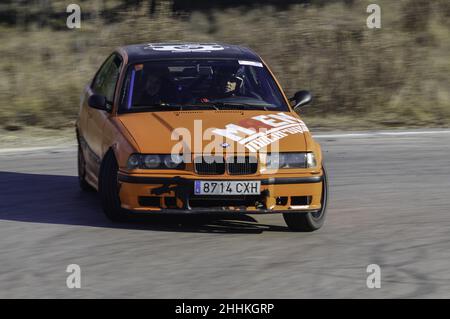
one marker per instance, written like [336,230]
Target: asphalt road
[390,205]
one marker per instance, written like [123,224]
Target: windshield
[200,84]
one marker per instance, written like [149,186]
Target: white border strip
[70,147]
[67,147]
[382,134]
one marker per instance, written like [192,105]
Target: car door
[104,84]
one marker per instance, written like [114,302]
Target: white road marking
[70,147]
[36,149]
[381,134]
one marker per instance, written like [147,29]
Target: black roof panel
[157,51]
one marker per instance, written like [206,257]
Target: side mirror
[98,102]
[301,98]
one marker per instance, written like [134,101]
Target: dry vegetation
[396,76]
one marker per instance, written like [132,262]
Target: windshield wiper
[240,105]
[208,104]
[160,106]
[243,105]
[180,106]
[214,105]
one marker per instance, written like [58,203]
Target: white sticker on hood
[273,127]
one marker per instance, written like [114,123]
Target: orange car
[198,128]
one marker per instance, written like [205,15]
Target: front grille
[243,165]
[209,166]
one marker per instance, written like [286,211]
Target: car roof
[187,50]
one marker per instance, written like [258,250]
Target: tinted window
[107,76]
[200,84]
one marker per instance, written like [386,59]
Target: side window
[106,79]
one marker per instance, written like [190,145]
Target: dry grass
[397,76]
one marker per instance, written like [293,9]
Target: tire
[308,222]
[84,185]
[109,189]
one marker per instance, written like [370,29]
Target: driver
[231,85]
[228,85]
[156,89]
[150,92]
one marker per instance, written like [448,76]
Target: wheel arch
[110,151]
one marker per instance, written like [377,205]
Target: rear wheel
[109,189]
[308,222]
[84,185]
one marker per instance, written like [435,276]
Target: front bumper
[140,193]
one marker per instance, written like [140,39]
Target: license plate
[227,188]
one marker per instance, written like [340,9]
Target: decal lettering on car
[262,130]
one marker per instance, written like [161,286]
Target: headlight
[290,160]
[151,161]
[134,161]
[311,160]
[155,161]
[172,161]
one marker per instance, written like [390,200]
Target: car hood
[159,132]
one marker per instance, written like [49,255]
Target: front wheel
[308,222]
[109,189]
